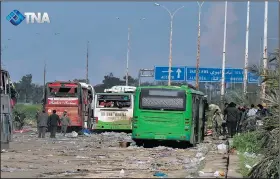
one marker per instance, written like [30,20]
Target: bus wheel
[139,143]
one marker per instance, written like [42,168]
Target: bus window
[113,101]
[163,99]
[62,91]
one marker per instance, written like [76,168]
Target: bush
[248,142]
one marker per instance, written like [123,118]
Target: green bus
[168,113]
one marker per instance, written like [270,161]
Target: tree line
[29,92]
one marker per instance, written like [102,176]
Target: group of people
[44,121]
[232,119]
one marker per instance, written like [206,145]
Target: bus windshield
[113,101]
[62,92]
[163,99]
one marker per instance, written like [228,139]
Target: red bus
[74,97]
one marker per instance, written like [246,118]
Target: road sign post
[232,75]
[177,73]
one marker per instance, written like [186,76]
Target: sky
[27,46]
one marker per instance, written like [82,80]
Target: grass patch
[247,142]
[246,161]
[28,109]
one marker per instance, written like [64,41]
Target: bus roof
[115,93]
[121,89]
[183,87]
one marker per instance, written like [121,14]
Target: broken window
[113,101]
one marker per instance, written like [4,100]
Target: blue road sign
[177,73]
[253,78]
[232,75]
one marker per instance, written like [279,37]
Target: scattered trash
[82,170]
[3,151]
[122,173]
[160,174]
[209,132]
[21,131]
[248,166]
[82,157]
[250,155]
[222,148]
[124,144]
[219,174]
[72,135]
[8,169]
[198,155]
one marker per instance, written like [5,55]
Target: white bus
[113,109]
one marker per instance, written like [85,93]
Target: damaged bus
[74,97]
[168,113]
[113,109]
[8,100]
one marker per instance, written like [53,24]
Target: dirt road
[98,155]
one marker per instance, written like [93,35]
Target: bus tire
[139,142]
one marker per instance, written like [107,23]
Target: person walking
[53,123]
[217,124]
[42,123]
[232,117]
[65,122]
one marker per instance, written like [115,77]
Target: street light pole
[263,86]
[127,56]
[198,46]
[128,51]
[170,40]
[245,80]
[224,59]
[87,65]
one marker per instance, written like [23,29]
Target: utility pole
[87,65]
[263,86]
[127,55]
[245,80]
[198,46]
[170,40]
[224,60]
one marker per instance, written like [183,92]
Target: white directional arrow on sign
[178,73]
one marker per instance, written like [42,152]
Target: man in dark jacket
[42,124]
[224,124]
[53,123]
[232,116]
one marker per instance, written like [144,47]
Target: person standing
[65,122]
[224,124]
[42,124]
[252,111]
[21,120]
[37,119]
[53,122]
[232,117]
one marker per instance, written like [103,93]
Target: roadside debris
[160,174]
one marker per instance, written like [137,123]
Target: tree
[28,92]
[268,167]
